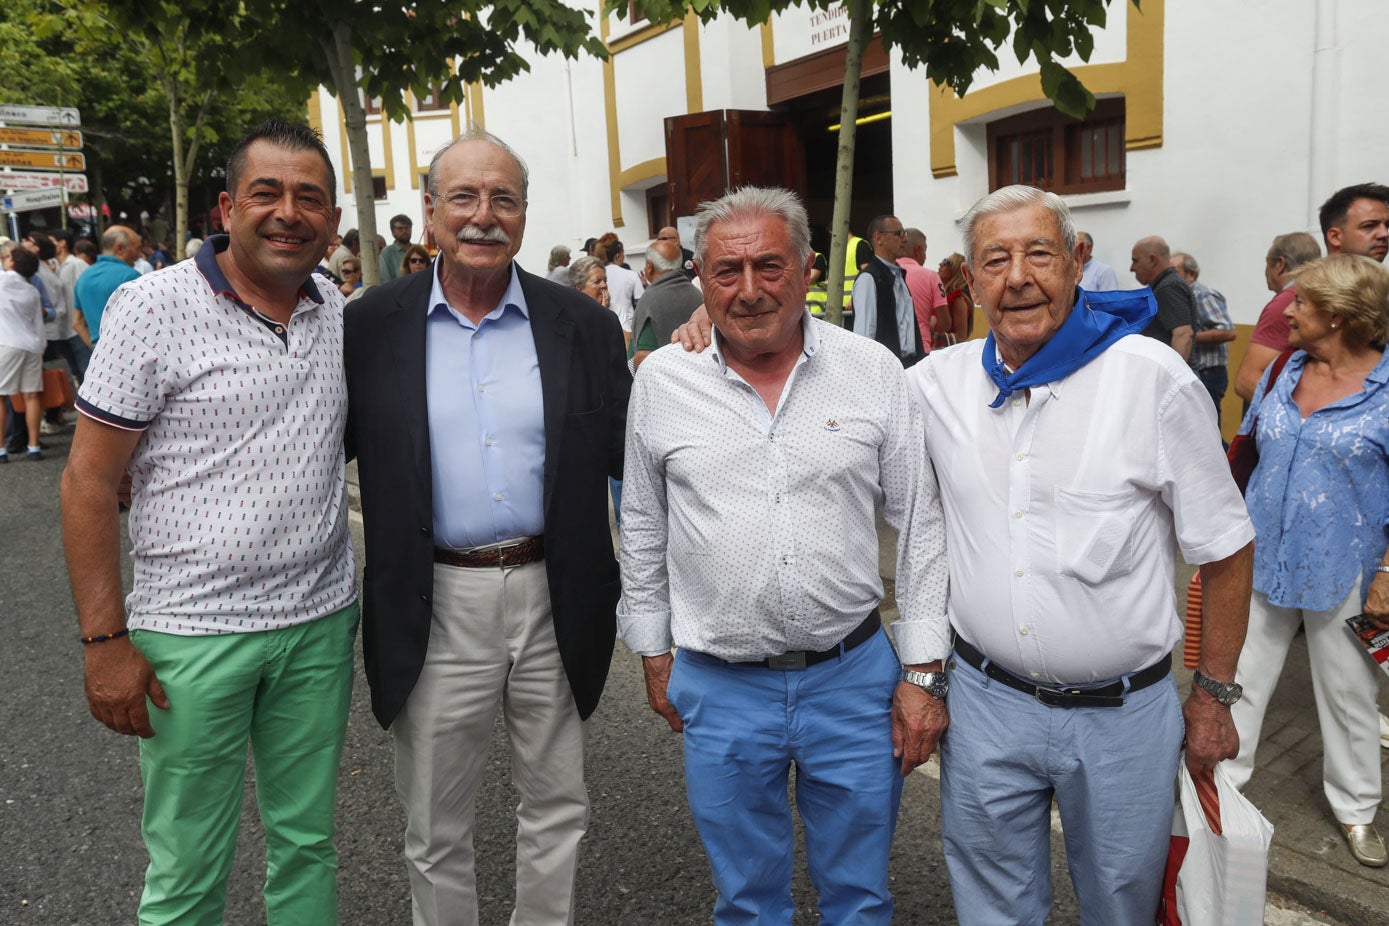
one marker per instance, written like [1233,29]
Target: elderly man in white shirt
[1074,457]
[748,542]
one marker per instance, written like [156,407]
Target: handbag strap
[1276,368]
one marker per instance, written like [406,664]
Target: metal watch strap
[935,684]
[1226,693]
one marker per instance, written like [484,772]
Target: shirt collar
[206,262]
[810,342]
[513,297]
[1054,387]
[889,265]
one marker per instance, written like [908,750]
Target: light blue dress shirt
[486,422]
[1319,498]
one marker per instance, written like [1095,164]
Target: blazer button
[426,531]
[424,598]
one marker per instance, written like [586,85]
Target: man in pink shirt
[928,295]
[1270,337]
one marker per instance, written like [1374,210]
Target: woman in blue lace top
[1319,500]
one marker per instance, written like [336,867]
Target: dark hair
[402,219]
[876,226]
[352,237]
[47,250]
[1333,211]
[26,263]
[291,135]
[85,248]
[65,237]
[414,250]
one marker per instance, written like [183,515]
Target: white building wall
[1267,109]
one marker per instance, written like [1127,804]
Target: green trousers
[286,692]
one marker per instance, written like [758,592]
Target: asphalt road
[70,850]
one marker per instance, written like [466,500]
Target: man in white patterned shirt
[749,542]
[219,383]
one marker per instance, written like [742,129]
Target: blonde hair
[1352,287]
[956,278]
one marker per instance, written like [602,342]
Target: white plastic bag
[1217,866]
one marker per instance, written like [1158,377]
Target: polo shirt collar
[206,262]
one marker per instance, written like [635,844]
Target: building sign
[57,116]
[42,180]
[829,27]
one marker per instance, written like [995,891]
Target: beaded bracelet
[103,637]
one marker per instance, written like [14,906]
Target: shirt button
[481,388]
[1024,630]
[1036,675]
[1020,456]
[1018,572]
[476,335]
[489,442]
[498,496]
[1017,514]
[279,329]
[1017,402]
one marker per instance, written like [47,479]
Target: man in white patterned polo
[218,382]
[749,542]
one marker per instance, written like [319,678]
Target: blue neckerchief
[1096,321]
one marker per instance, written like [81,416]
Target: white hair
[1011,198]
[755,201]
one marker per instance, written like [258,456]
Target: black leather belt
[1111,695]
[800,659]
[513,553]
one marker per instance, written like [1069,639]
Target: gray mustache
[471,234]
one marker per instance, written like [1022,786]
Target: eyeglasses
[898,232]
[418,260]
[504,205]
[351,270]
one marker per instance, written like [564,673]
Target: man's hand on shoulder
[697,333]
[118,678]
[656,669]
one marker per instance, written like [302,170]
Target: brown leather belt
[514,553]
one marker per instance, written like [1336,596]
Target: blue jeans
[1111,770]
[745,727]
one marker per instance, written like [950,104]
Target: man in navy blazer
[487,411]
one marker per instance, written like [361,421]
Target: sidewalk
[1309,861]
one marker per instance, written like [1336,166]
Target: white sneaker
[48,427]
[1384,731]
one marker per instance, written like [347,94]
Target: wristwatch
[934,684]
[1226,693]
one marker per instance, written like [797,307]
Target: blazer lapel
[554,348]
[405,324]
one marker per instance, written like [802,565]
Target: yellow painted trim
[390,153]
[768,47]
[694,78]
[656,167]
[315,113]
[644,34]
[1139,78]
[410,151]
[610,118]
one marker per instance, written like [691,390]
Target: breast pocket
[1094,534]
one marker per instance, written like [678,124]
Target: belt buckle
[1051,697]
[787,661]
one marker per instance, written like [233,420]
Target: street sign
[42,138]
[64,117]
[41,180]
[30,200]
[48,160]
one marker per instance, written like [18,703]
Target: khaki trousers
[492,642]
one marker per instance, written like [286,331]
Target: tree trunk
[181,176]
[339,49]
[171,95]
[859,22]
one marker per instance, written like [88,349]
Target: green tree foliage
[950,40]
[361,47]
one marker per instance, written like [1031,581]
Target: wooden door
[710,153]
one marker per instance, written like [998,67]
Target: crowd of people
[1041,481]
